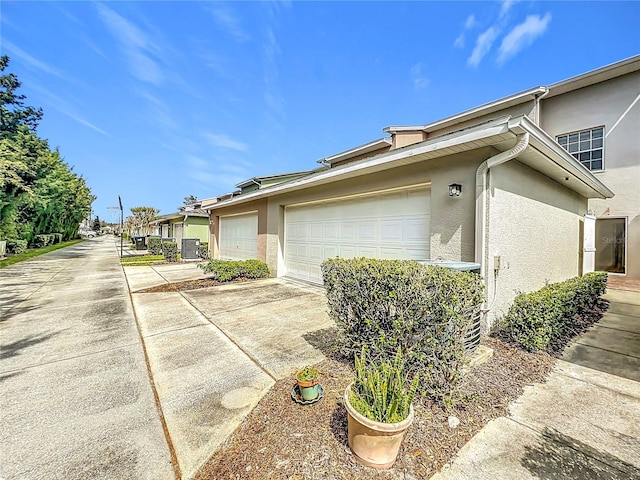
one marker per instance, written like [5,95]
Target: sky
[156,101]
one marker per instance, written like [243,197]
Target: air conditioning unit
[190,248]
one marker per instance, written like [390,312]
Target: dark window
[586,146]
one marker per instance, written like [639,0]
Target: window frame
[576,154]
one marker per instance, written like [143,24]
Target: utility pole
[121,225]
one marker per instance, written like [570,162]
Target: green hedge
[537,319]
[170,251]
[16,246]
[57,238]
[227,270]
[43,240]
[203,250]
[423,311]
[154,245]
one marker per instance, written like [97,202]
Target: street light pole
[121,225]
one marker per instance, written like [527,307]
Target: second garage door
[239,237]
[392,225]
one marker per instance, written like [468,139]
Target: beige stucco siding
[452,219]
[604,104]
[535,227]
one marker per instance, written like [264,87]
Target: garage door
[239,237]
[390,225]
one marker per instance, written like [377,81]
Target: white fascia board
[602,74]
[485,109]
[360,167]
[359,150]
[553,152]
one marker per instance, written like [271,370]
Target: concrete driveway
[215,352]
[76,399]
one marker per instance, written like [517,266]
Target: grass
[20,257]
[143,260]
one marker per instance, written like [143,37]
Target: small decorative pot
[309,389]
[374,444]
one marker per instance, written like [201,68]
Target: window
[586,146]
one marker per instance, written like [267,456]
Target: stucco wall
[259,206]
[197,227]
[535,227]
[604,104]
[452,219]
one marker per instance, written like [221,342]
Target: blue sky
[155,101]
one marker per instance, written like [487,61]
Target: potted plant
[379,410]
[308,380]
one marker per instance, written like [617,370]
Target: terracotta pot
[374,444]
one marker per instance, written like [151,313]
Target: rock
[453,422]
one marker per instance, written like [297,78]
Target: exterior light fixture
[455,190]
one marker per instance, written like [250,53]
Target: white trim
[622,116]
[248,212]
[360,150]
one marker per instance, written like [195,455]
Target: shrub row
[16,246]
[170,251]
[227,270]
[537,319]
[203,250]
[422,311]
[44,240]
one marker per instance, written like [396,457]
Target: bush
[537,319]
[57,238]
[43,240]
[154,245]
[203,250]
[422,311]
[227,270]
[16,246]
[170,251]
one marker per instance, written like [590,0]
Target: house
[190,222]
[523,186]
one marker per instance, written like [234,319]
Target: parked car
[88,233]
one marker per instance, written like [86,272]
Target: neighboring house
[188,223]
[501,185]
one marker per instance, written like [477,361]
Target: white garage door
[389,225]
[239,237]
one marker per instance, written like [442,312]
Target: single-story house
[188,223]
[498,185]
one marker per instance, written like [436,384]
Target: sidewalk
[76,399]
[582,423]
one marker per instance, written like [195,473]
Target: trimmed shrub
[228,270]
[203,250]
[42,240]
[57,238]
[424,312]
[154,245]
[16,246]
[535,320]
[170,251]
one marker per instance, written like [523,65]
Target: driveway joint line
[174,457]
[606,350]
[599,325]
[231,339]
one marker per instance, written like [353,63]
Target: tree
[97,224]
[39,192]
[190,200]
[13,112]
[142,217]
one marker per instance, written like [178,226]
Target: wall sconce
[455,189]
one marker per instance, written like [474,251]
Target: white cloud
[522,36]
[228,20]
[224,141]
[470,22]
[137,46]
[506,6]
[31,61]
[459,42]
[420,80]
[483,45]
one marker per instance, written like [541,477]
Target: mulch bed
[280,439]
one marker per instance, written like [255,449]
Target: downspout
[482,204]
[537,105]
